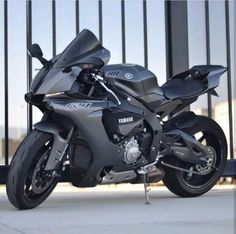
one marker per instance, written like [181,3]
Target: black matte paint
[97,117]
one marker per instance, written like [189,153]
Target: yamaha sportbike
[105,124]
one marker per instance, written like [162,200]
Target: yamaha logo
[126,120]
[129,76]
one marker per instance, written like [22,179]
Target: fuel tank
[136,81]
[132,77]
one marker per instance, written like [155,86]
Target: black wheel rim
[37,181]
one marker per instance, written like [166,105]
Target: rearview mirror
[35,51]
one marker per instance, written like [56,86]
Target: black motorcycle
[105,124]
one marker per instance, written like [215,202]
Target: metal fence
[176,40]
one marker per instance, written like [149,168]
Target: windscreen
[85,44]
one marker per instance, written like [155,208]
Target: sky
[65,32]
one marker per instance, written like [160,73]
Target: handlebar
[97,77]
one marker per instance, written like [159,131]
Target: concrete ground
[111,210]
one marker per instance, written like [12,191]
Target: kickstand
[144,172]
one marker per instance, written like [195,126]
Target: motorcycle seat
[189,83]
[180,88]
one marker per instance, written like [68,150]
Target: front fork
[60,145]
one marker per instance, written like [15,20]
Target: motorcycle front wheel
[28,185]
[187,184]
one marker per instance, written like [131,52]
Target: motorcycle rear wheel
[28,185]
[183,184]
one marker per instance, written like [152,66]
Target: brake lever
[100,80]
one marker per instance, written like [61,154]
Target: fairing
[84,45]
[55,81]
[54,78]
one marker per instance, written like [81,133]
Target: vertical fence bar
[145,36]
[54,42]
[6,146]
[77,17]
[176,16]
[231,150]
[208,52]
[123,31]
[100,21]
[169,71]
[29,59]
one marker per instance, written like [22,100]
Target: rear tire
[179,183]
[27,186]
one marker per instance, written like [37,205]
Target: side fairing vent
[112,73]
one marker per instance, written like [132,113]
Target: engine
[131,151]
[130,132]
[136,147]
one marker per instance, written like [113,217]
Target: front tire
[28,185]
[183,184]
